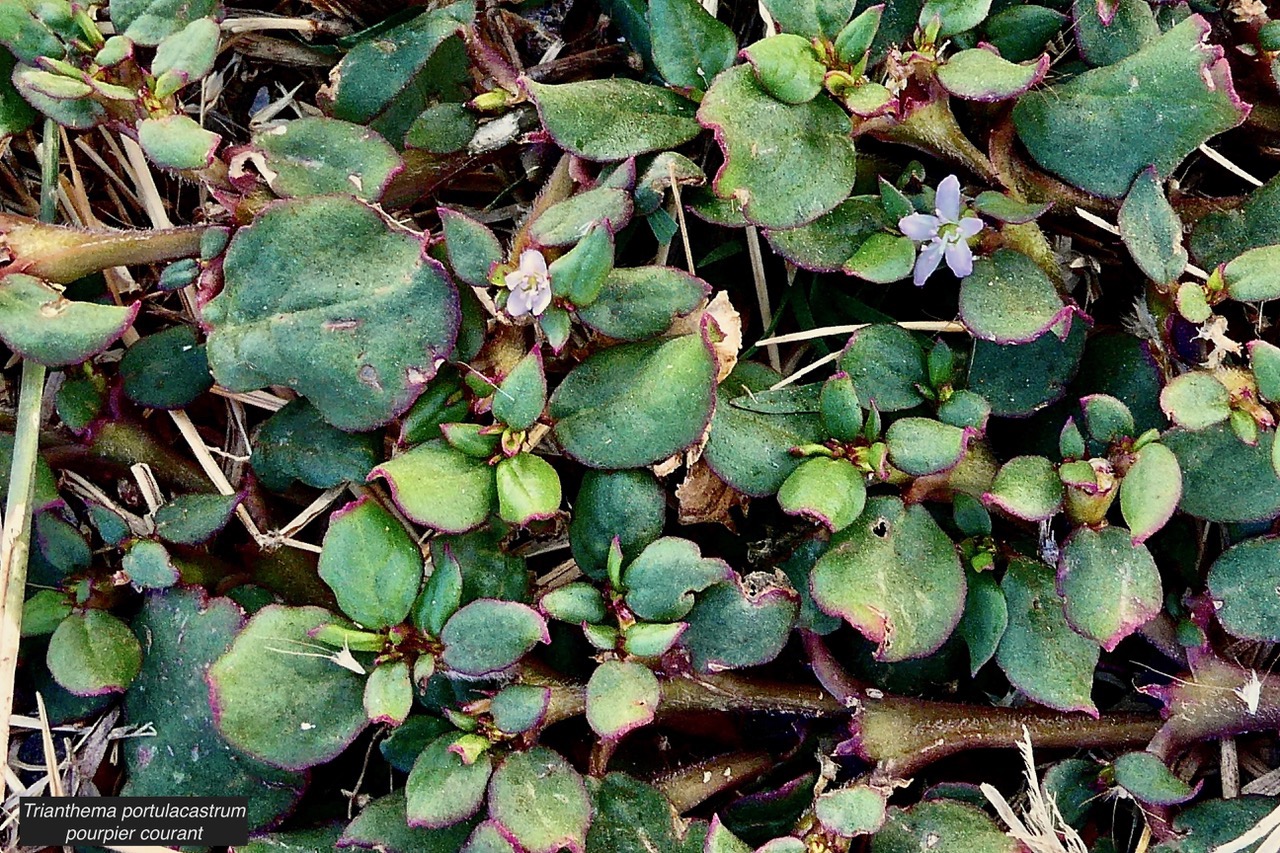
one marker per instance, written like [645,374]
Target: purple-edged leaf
[831,492]
[1106,418]
[740,623]
[489,636]
[195,519]
[1149,780]
[786,164]
[661,581]
[943,826]
[887,366]
[953,16]
[1039,653]
[621,696]
[371,563]
[1107,31]
[148,565]
[923,446]
[92,653]
[473,249]
[528,489]
[1111,586]
[1254,276]
[895,576]
[850,812]
[568,221]
[787,67]
[540,801]
[489,838]
[1026,487]
[1009,299]
[323,295]
[826,243]
[1103,127]
[811,18]
[642,302]
[1151,230]
[440,487]
[518,708]
[1242,584]
[981,74]
[1196,400]
[882,259]
[388,694]
[444,787]
[38,323]
[1264,359]
[611,120]
[383,826]
[177,142]
[721,840]
[986,616]
[314,708]
[1150,491]
[1002,208]
[315,156]
[694,47]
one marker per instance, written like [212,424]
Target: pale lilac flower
[944,234]
[530,285]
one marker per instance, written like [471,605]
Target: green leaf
[16,115]
[850,812]
[185,631]
[1150,491]
[148,22]
[389,78]
[443,788]
[1040,654]
[166,370]
[610,120]
[825,244]
[986,616]
[634,304]
[894,575]
[787,67]
[966,410]
[785,164]
[440,487]
[840,408]
[522,395]
[923,446]
[1151,229]
[148,565]
[831,492]
[811,18]
[442,129]
[314,709]
[371,563]
[1264,359]
[383,825]
[622,696]
[579,274]
[853,42]
[660,583]
[740,623]
[953,16]
[1150,781]
[317,156]
[1019,379]
[1226,234]
[1002,208]
[528,489]
[1204,826]
[635,404]
[441,595]
[93,653]
[1111,586]
[1102,128]
[177,142]
[488,838]
[630,505]
[194,519]
[1009,299]
[693,46]
[30,29]
[567,222]
[942,826]
[388,694]
[185,56]
[296,444]
[887,366]
[43,612]
[1242,583]
[540,801]
[489,636]
[39,323]
[882,259]
[473,249]
[1196,400]
[1224,479]
[1131,25]
[1027,487]
[1252,276]
[360,346]
[981,74]
[631,817]
[518,708]
[1106,418]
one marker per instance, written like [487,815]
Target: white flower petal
[930,257]
[532,263]
[969,226]
[540,298]
[919,226]
[947,200]
[960,258]
[518,303]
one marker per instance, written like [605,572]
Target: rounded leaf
[38,323]
[1253,276]
[661,581]
[528,489]
[443,788]
[1027,487]
[488,636]
[921,446]
[371,563]
[1224,479]
[540,801]
[1243,584]
[621,696]
[1111,586]
[318,156]
[1149,780]
[1150,491]
[831,492]
[981,74]
[92,653]
[1009,299]
[613,119]
[787,67]
[850,812]
[740,623]
[887,366]
[1196,400]
[440,487]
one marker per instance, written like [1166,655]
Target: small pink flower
[530,285]
[945,234]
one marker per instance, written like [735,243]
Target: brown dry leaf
[705,498]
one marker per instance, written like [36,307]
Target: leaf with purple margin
[786,164]
[489,636]
[518,708]
[528,489]
[787,66]
[92,653]
[1009,299]
[621,696]
[882,259]
[1026,487]
[661,581]
[568,221]
[1242,584]
[1111,586]
[694,47]
[38,323]
[177,142]
[440,487]
[740,623]
[540,801]
[825,244]
[1196,400]
[831,492]
[895,576]
[1149,780]
[382,826]
[611,120]
[1150,491]
[444,787]
[1002,208]
[923,446]
[642,302]
[981,74]
[1151,230]
[1252,276]
[473,249]
[852,811]
[371,563]
[315,156]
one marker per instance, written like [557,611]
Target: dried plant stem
[938,326]
[762,291]
[1228,165]
[15,535]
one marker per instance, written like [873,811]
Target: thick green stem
[699,782]
[62,255]
[903,735]
[15,535]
